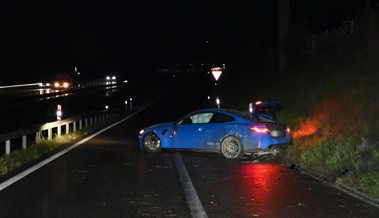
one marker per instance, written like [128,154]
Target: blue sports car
[229,132]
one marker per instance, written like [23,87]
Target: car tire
[151,142]
[231,147]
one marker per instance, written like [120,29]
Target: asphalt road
[108,176]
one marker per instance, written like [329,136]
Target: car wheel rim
[230,147]
[152,142]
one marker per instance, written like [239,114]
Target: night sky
[41,38]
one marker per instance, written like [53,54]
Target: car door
[192,132]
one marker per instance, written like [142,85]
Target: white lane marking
[30,170]
[194,203]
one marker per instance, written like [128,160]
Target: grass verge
[332,111]
[20,157]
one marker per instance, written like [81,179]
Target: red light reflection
[262,188]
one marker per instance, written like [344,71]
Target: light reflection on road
[261,187]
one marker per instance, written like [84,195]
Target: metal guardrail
[49,130]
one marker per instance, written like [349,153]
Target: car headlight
[141,131]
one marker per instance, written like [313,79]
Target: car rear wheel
[151,142]
[231,147]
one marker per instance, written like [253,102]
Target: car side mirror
[174,128]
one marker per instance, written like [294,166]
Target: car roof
[234,112]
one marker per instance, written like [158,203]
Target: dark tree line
[356,37]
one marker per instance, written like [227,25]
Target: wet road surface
[108,176]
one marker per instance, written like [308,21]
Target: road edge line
[343,188]
[193,200]
[48,160]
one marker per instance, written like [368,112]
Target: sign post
[216,72]
[59,112]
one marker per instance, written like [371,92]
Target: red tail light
[259,129]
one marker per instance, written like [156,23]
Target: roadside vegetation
[330,92]
[20,157]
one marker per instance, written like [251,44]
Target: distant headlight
[66,84]
[141,131]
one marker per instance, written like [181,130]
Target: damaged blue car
[231,133]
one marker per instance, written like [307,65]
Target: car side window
[188,120]
[221,118]
[201,117]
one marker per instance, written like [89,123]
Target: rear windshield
[245,115]
[258,118]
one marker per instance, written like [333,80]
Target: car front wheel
[151,142]
[231,147]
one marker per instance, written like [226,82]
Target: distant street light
[131,106]
[126,105]
[218,102]
[106,107]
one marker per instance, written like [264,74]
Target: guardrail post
[24,142]
[49,134]
[74,126]
[95,120]
[67,128]
[8,147]
[59,130]
[80,125]
[38,137]
[90,121]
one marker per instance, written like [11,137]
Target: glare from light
[218,102]
[113,77]
[108,77]
[106,107]
[66,85]
[141,131]
[59,113]
[125,81]
[56,84]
